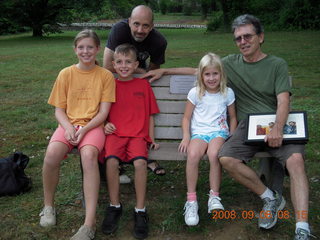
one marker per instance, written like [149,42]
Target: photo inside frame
[260,125]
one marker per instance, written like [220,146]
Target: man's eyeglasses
[246,37]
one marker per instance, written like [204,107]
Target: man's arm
[275,137]
[107,59]
[158,73]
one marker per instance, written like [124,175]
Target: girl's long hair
[210,60]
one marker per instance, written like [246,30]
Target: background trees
[43,16]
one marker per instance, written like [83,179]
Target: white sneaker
[214,203]
[191,216]
[48,216]
[124,179]
[84,233]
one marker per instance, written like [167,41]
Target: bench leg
[272,173]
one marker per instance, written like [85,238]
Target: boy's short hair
[126,49]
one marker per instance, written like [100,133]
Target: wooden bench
[171,94]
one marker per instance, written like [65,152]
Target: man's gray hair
[247,19]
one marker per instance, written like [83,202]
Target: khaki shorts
[235,147]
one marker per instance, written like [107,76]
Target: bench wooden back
[171,94]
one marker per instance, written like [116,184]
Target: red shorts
[126,149]
[94,137]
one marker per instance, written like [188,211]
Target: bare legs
[196,150]
[140,177]
[91,182]
[50,174]
[299,187]
[50,171]
[298,181]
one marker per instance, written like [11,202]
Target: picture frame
[294,131]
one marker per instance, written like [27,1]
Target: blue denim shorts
[209,137]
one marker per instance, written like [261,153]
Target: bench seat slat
[169,151]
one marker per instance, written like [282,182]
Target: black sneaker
[141,229]
[111,219]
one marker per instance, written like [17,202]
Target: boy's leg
[91,182]
[196,150]
[114,208]
[141,229]
[112,165]
[140,182]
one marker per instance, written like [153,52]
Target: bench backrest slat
[164,120]
[172,105]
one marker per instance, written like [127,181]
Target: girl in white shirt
[205,129]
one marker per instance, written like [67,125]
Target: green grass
[28,68]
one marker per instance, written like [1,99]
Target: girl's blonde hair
[87,33]
[210,60]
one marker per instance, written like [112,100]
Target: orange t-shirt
[81,92]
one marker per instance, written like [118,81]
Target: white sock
[140,209]
[303,225]
[116,206]
[267,194]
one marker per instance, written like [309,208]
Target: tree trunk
[37,31]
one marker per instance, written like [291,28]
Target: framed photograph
[294,131]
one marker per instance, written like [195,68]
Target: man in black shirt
[137,30]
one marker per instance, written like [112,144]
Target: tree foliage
[44,16]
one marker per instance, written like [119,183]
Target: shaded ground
[165,201]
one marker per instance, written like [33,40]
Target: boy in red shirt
[129,133]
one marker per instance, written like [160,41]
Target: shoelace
[270,204]
[212,199]
[190,209]
[301,233]
[47,211]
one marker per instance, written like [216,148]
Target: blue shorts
[209,137]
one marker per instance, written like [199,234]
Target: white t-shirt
[210,112]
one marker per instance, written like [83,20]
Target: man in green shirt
[261,84]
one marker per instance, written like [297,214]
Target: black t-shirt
[154,46]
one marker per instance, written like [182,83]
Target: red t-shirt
[135,102]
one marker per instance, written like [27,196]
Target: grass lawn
[28,68]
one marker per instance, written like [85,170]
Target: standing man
[261,84]
[137,30]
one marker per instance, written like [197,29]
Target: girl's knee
[213,156]
[52,158]
[194,156]
[89,153]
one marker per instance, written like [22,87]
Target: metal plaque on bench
[181,84]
